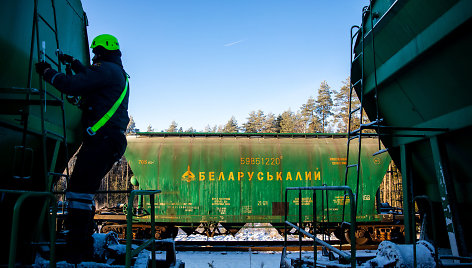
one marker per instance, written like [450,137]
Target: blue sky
[199,62]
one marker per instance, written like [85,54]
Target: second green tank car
[235,179]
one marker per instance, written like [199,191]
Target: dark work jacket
[100,86]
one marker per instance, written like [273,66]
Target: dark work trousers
[96,157]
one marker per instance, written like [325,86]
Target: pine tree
[287,124]
[231,126]
[341,101]
[173,127]
[291,122]
[270,124]
[255,122]
[299,124]
[209,129]
[278,123]
[324,105]
[131,128]
[311,123]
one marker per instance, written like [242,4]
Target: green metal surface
[241,178]
[422,62]
[19,52]
[422,65]
[32,149]
[422,56]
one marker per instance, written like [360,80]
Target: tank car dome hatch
[134,181]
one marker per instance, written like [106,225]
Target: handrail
[432,215]
[350,257]
[129,228]
[15,224]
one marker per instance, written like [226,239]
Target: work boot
[79,238]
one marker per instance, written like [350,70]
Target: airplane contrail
[234,43]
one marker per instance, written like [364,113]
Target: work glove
[64,58]
[41,67]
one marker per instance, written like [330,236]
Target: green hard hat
[108,41]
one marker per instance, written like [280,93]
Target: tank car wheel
[339,234]
[106,228]
[159,231]
[117,228]
[362,236]
[163,232]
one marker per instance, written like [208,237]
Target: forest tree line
[328,113]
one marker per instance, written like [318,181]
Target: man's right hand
[41,67]
[64,58]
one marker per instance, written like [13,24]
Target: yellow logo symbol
[188,175]
[377,161]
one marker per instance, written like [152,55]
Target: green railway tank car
[39,128]
[411,66]
[31,109]
[241,178]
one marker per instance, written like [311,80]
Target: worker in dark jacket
[104,90]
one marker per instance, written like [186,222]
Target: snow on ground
[231,259]
[250,232]
[256,259]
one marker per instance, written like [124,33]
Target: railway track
[255,246]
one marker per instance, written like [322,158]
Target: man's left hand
[64,58]
[41,67]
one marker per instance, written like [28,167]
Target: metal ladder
[358,133]
[455,230]
[48,99]
[23,155]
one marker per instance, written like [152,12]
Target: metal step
[358,56]
[53,135]
[373,123]
[380,152]
[21,102]
[356,136]
[18,90]
[355,110]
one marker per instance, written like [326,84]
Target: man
[103,88]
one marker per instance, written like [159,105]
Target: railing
[16,222]
[344,255]
[431,213]
[129,228]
